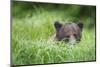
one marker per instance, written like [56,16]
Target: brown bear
[68,32]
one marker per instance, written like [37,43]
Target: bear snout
[72,40]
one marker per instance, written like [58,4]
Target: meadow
[31,30]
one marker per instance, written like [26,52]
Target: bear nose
[72,40]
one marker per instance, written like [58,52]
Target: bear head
[68,32]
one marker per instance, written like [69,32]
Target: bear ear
[57,25]
[80,25]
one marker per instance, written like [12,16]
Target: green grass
[31,44]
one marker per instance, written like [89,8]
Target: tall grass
[31,44]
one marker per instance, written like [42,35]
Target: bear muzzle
[72,40]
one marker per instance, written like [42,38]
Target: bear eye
[75,35]
[67,36]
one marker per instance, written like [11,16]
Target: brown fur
[68,32]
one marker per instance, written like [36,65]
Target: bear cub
[68,32]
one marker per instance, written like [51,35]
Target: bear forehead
[70,27]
